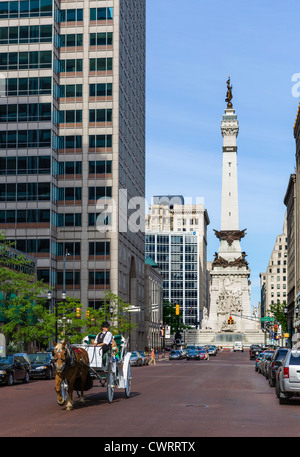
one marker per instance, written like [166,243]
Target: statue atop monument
[229,94]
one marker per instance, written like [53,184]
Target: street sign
[266,319]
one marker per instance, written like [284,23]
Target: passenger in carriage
[104,339]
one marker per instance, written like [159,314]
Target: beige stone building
[274,281]
[153,308]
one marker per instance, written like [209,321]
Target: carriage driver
[105,338]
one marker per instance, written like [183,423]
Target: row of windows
[29,112]
[32,165]
[43,59]
[28,86]
[26,34]
[39,216]
[163,239]
[25,60]
[36,8]
[13,139]
[17,139]
[25,8]
[42,86]
[25,191]
[25,216]
[24,165]
[33,191]
[32,246]
[72,278]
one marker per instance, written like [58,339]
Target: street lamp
[49,298]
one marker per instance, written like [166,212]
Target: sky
[191,49]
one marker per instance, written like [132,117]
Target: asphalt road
[221,397]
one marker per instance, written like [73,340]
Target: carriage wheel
[64,391]
[128,382]
[110,384]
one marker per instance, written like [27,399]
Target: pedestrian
[104,338]
[152,360]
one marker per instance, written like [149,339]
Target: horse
[72,365]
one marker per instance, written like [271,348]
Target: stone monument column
[230,275]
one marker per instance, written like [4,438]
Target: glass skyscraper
[72,131]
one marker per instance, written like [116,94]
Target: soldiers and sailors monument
[229,317]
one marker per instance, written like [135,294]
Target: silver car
[288,377]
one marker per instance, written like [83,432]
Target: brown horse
[72,365]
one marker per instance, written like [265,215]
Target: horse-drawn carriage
[112,369]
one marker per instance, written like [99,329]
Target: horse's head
[61,354]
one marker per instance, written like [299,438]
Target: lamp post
[67,254]
[285,310]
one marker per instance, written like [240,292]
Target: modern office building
[72,131]
[176,239]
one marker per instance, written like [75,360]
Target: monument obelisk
[230,308]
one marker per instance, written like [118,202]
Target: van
[238,346]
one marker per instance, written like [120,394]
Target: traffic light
[230,320]
[78,312]
[87,313]
[177,312]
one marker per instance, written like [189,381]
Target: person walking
[152,360]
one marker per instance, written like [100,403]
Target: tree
[115,310]
[170,318]
[277,310]
[20,291]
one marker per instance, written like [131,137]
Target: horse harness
[70,360]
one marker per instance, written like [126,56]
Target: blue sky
[191,50]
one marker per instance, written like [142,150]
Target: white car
[238,346]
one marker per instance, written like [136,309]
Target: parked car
[274,364]
[257,360]
[263,364]
[254,351]
[14,368]
[238,346]
[203,354]
[145,357]
[288,376]
[42,365]
[136,359]
[212,350]
[192,354]
[175,355]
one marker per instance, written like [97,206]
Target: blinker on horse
[72,366]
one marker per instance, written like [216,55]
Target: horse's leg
[71,381]
[82,384]
[60,400]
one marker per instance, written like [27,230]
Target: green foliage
[277,311]
[170,318]
[26,318]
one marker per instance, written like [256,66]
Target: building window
[72,15]
[101,64]
[101,90]
[101,14]
[101,39]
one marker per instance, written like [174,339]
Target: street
[221,397]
